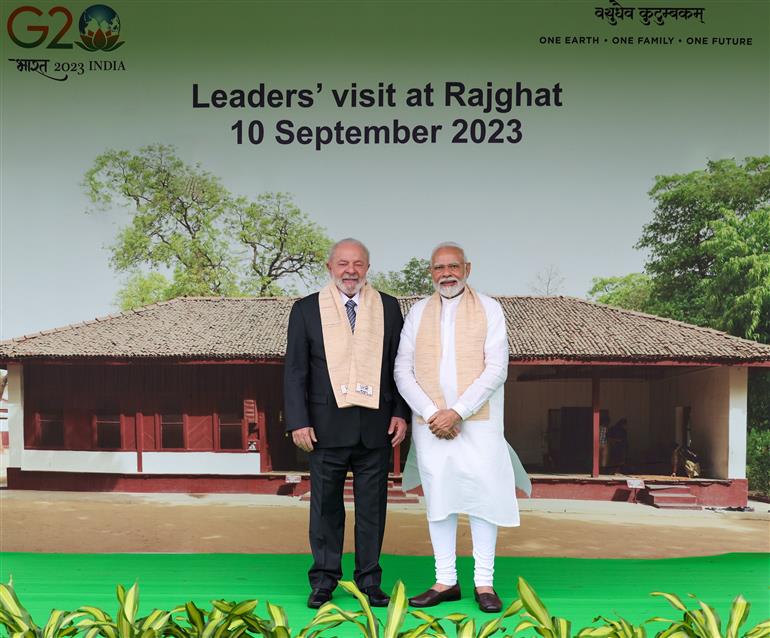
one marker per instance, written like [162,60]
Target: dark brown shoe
[433,597]
[488,603]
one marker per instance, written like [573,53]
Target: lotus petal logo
[99,29]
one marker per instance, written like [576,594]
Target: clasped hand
[445,424]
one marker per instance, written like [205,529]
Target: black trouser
[328,470]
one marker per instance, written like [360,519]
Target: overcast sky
[571,194]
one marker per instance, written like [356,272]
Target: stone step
[682,499]
[395,495]
[668,489]
[669,497]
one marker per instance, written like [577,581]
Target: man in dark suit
[343,424]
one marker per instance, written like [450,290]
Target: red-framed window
[230,432]
[107,431]
[49,429]
[172,431]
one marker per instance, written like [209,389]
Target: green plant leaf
[216,620]
[8,620]
[760,630]
[97,613]
[711,621]
[675,630]
[626,628]
[596,632]
[467,629]
[256,624]
[156,620]
[371,622]
[426,617]
[176,632]
[562,627]
[222,605]
[194,616]
[490,627]
[54,622]
[348,616]
[672,598]
[244,607]
[697,622]
[278,615]
[524,624]
[514,608]
[396,610]
[416,631]
[10,603]
[739,612]
[533,604]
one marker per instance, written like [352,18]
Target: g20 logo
[99,28]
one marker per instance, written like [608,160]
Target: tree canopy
[189,236]
[679,263]
[737,291]
[412,280]
[631,291]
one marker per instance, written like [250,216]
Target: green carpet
[577,589]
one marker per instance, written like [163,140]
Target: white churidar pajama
[472,473]
[443,537]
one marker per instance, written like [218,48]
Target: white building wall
[15,414]
[717,400]
[220,463]
[78,461]
[527,404]
[189,463]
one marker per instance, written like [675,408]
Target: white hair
[349,240]
[448,244]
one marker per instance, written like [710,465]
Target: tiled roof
[255,328]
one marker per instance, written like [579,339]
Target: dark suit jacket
[307,389]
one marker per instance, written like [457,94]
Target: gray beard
[341,287]
[452,291]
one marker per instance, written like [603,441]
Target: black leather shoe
[377,597]
[488,603]
[318,596]
[433,597]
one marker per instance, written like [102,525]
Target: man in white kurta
[464,463]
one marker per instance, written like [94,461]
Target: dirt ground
[100,522]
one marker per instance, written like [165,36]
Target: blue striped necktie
[350,307]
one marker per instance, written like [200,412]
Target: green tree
[738,286]
[686,205]
[281,241]
[176,213]
[185,222]
[738,296]
[143,289]
[412,280]
[631,291]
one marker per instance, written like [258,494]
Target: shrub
[758,461]
[237,620]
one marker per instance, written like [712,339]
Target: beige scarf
[354,360]
[470,335]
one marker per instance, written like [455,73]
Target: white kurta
[472,473]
